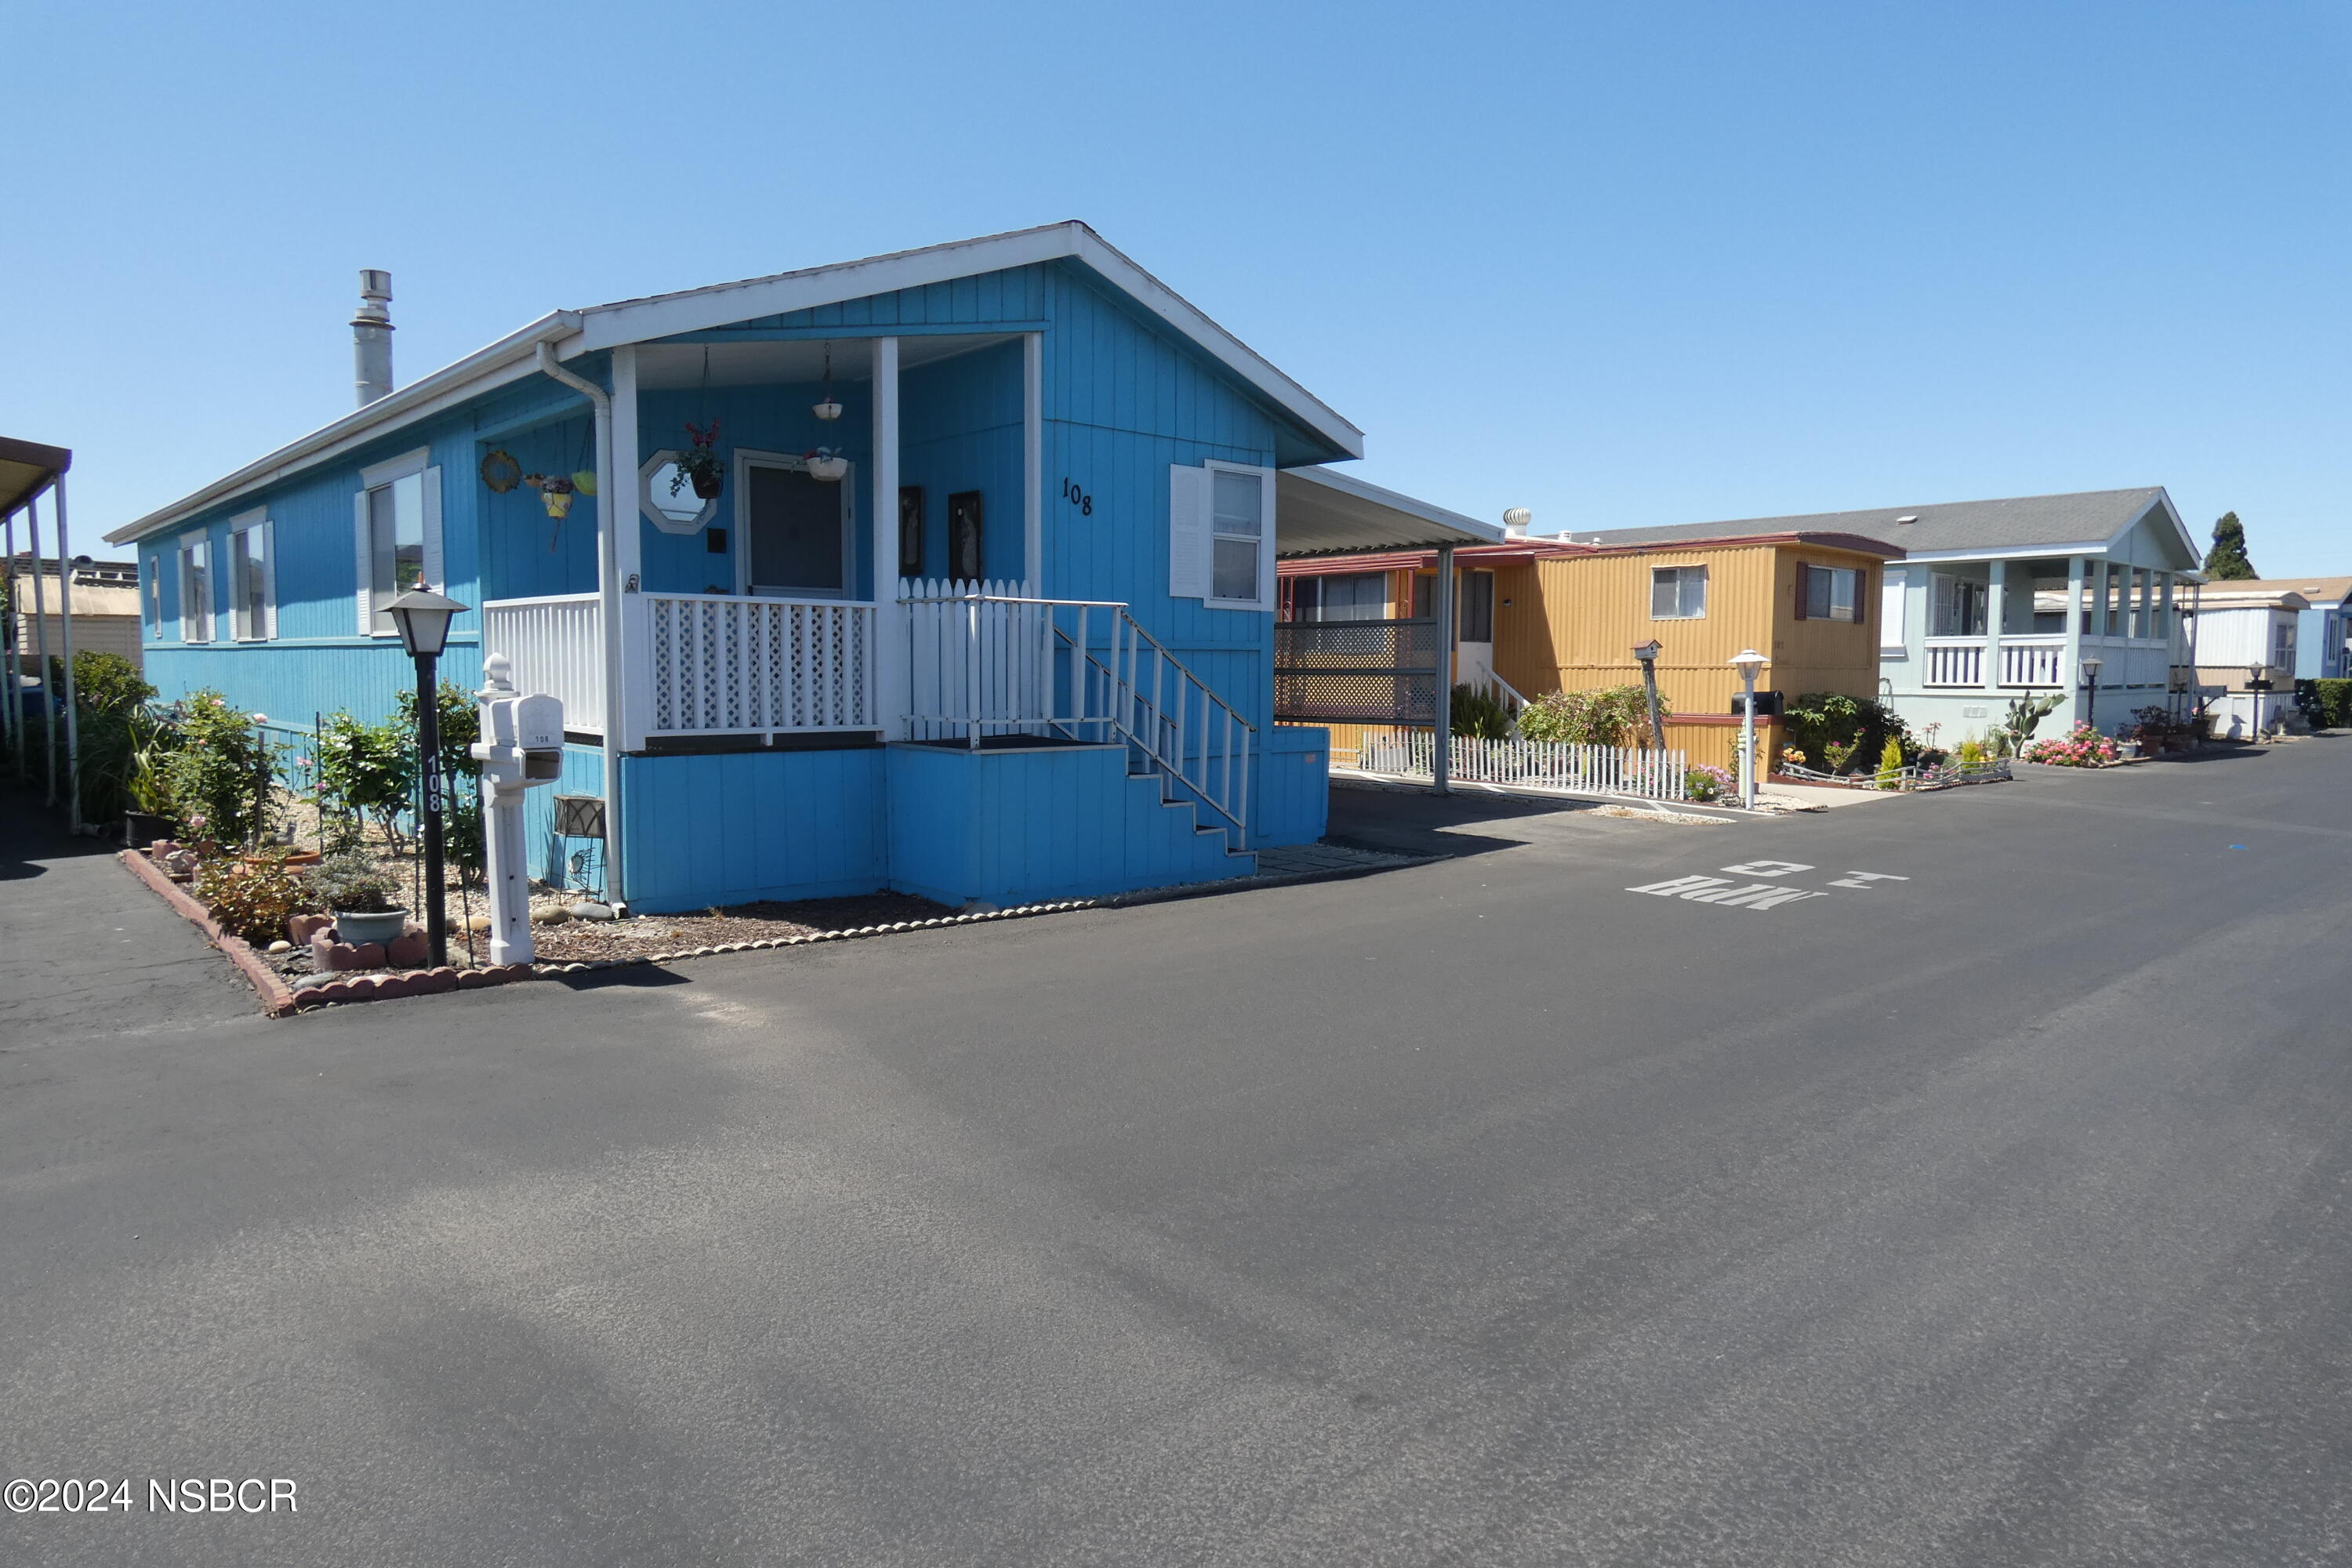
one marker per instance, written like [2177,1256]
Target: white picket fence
[1535,765]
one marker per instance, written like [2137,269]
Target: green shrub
[369,769]
[251,898]
[1890,763]
[2327,704]
[461,807]
[107,683]
[1837,727]
[1480,714]
[220,771]
[1615,716]
[351,882]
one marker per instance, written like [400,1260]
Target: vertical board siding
[547,854]
[959,430]
[736,826]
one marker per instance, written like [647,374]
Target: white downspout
[608,593]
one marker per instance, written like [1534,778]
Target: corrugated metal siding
[1577,629]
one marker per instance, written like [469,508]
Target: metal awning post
[65,610]
[41,645]
[1441,766]
[14,717]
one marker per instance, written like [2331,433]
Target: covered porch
[2020,626]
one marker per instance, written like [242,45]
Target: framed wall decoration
[499,470]
[910,531]
[964,529]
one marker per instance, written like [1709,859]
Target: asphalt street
[1983,1200]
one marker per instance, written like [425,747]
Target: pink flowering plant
[1707,781]
[2084,747]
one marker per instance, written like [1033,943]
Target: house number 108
[1077,497]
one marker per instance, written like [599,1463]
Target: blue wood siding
[727,829]
[959,430]
[1025,826]
[1291,791]
[549,855]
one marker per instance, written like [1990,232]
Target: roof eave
[507,359]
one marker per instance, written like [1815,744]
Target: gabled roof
[2084,522]
[575,332]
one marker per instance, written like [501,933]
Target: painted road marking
[1724,890]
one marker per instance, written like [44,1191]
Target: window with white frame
[1678,593]
[252,587]
[1355,596]
[2282,645]
[397,519]
[1890,614]
[195,589]
[1221,535]
[1829,593]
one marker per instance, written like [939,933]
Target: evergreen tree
[2226,561]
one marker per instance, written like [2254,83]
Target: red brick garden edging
[279,1001]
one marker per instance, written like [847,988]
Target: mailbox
[1767,704]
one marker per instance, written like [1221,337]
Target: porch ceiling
[1318,512]
[671,366]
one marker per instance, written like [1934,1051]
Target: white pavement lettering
[1864,878]
[1769,868]
[1722,890]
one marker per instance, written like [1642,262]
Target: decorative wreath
[500,472]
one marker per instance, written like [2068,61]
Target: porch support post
[41,647]
[65,621]
[1441,763]
[632,653]
[2076,567]
[887,671]
[1995,618]
[1032,464]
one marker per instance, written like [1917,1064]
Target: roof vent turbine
[371,336]
[1516,520]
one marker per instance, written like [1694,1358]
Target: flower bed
[2082,747]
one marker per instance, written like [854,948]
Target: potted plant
[699,465]
[827,464]
[555,492]
[351,887]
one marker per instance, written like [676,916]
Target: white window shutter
[1188,532]
[269,579]
[360,552]
[433,574]
[1266,592]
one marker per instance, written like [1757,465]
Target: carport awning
[1320,512]
[26,470]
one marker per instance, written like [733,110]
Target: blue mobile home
[983,609]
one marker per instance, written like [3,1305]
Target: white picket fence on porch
[1533,764]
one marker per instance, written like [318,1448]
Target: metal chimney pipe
[371,336]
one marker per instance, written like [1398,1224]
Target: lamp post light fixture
[1647,653]
[423,620]
[1748,662]
[2090,680]
[2258,680]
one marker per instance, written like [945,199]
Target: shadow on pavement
[1409,821]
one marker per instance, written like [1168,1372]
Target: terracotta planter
[706,483]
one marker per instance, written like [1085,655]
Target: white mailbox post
[522,748]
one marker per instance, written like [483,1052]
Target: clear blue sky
[1624,265]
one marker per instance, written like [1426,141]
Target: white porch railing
[724,665]
[2032,661]
[558,648]
[1537,764]
[1954,662]
[718,665]
[986,663]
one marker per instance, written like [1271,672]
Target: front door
[795,532]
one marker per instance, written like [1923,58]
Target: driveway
[1564,1200]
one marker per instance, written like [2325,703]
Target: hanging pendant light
[827,410]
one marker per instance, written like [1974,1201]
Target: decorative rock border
[1019,911]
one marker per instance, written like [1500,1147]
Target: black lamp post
[2258,680]
[2091,678]
[423,620]
[1647,653]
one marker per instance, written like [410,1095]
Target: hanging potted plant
[555,492]
[827,464]
[827,408]
[699,465]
